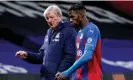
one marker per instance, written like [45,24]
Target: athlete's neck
[84,22]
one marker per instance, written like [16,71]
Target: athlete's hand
[60,76]
[21,54]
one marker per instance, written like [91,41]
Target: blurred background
[23,27]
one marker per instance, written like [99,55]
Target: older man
[59,48]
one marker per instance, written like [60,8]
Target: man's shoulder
[69,30]
[67,24]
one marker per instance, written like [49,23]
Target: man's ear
[81,15]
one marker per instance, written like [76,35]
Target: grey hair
[58,10]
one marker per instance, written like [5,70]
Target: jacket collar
[59,26]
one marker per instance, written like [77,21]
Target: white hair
[58,10]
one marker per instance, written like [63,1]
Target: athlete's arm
[91,38]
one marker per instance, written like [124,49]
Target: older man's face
[52,19]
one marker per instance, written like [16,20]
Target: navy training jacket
[57,53]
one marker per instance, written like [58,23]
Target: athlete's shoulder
[92,29]
[92,26]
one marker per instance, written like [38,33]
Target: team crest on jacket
[56,37]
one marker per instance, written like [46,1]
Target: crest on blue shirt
[89,40]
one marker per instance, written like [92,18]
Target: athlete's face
[74,18]
[52,18]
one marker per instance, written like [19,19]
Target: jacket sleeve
[69,49]
[35,58]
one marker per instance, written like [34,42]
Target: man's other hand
[60,76]
[21,54]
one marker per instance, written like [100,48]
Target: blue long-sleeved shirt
[88,54]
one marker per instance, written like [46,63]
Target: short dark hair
[77,7]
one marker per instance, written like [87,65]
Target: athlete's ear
[81,14]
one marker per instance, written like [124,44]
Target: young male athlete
[88,42]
